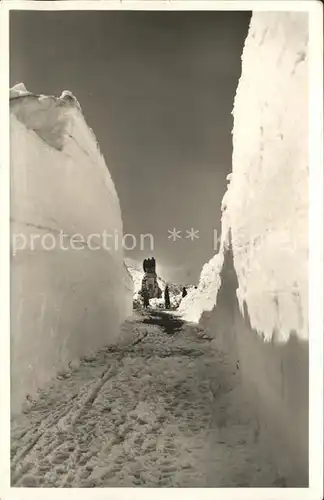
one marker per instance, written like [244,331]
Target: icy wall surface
[266,203]
[255,304]
[203,297]
[68,297]
[267,200]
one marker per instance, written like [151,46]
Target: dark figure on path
[184,292]
[146,300]
[167,297]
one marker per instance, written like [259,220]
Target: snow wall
[69,294]
[259,279]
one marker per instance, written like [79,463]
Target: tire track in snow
[158,415]
[73,409]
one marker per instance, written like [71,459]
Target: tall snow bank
[260,313]
[70,289]
[266,204]
[267,200]
[267,210]
[203,297]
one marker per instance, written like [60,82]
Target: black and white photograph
[164,189]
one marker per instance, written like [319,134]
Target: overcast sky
[157,88]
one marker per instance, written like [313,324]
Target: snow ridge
[61,186]
[265,207]
[57,121]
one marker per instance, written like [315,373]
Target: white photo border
[315,490]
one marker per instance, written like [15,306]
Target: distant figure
[184,292]
[146,300]
[167,297]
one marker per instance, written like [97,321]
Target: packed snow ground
[160,408]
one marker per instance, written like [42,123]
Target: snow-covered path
[158,409]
